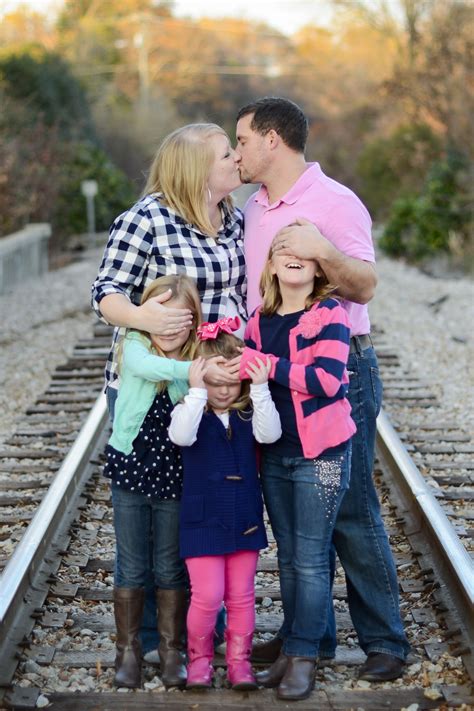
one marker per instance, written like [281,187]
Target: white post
[89,190]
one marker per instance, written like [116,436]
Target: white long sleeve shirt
[186,416]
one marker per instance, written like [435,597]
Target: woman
[185,223]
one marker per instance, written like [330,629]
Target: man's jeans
[302,497]
[149,633]
[359,536]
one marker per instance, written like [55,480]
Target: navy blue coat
[221,506]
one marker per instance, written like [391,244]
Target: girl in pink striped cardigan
[305,333]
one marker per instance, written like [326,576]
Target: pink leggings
[218,578]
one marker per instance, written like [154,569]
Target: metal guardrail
[23,255]
[27,564]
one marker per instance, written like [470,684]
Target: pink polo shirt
[335,210]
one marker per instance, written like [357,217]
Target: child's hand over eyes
[258,370]
[197,371]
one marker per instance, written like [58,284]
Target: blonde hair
[228,346]
[180,171]
[184,289]
[271,294]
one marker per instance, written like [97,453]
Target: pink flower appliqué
[310,324]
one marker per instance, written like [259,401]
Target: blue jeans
[139,520]
[303,497]
[359,536]
[149,637]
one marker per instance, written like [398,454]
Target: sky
[285,15]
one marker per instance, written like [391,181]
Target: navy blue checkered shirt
[151,240]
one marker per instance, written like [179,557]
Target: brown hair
[228,346]
[183,288]
[180,171]
[270,289]
[280,114]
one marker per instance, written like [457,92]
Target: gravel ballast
[41,321]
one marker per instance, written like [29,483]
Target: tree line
[386,89]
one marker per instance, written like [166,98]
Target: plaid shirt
[151,240]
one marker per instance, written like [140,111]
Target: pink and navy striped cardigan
[316,373]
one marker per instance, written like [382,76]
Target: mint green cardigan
[140,370]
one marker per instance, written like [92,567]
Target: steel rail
[29,556]
[455,562]
[23,569]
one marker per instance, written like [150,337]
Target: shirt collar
[231,217]
[305,181]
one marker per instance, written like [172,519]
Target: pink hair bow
[208,331]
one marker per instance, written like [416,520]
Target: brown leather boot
[172,608]
[381,667]
[267,652]
[128,611]
[273,675]
[298,680]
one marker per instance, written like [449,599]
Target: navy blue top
[274,334]
[154,466]
[221,506]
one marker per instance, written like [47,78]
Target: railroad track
[56,642]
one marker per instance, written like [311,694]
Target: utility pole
[140,41]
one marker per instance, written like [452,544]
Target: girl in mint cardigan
[146,475]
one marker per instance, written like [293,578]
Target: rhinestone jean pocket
[327,474]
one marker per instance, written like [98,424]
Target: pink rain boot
[239,671]
[200,655]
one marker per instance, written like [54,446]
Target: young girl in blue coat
[146,473]
[221,518]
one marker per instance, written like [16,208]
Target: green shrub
[395,167]
[48,146]
[115,191]
[439,220]
[44,83]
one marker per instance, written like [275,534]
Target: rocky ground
[41,320]
[427,320]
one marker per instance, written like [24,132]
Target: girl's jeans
[303,497]
[139,520]
[360,540]
[217,578]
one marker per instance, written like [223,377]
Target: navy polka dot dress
[154,465]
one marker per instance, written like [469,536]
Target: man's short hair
[283,116]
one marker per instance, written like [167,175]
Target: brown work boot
[267,652]
[172,608]
[298,680]
[128,611]
[381,667]
[273,675]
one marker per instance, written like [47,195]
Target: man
[317,218]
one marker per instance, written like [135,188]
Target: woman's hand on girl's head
[162,320]
[197,371]
[259,370]
[221,371]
